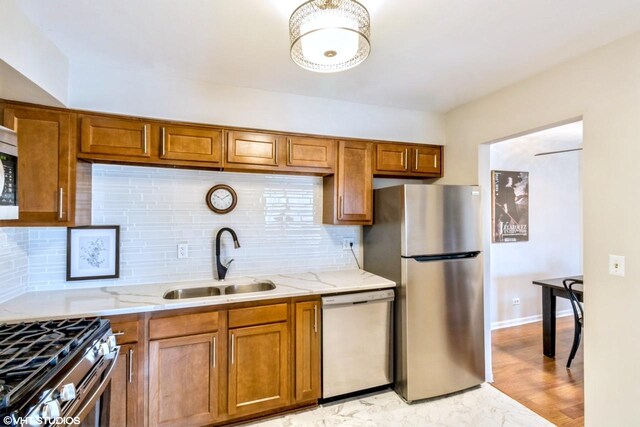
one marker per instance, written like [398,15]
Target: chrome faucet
[222,269]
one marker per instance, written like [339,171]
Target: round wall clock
[221,199]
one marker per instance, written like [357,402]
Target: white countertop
[113,300]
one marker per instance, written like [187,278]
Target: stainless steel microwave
[8,174]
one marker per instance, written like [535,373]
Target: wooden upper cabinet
[348,194]
[427,160]
[259,374]
[308,351]
[47,166]
[408,160]
[183,380]
[117,137]
[392,158]
[191,144]
[305,152]
[246,150]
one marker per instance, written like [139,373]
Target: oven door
[91,407]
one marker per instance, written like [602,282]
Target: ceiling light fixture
[328,36]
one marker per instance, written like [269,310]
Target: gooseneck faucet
[222,269]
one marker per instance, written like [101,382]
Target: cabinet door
[46,162]
[191,144]
[251,148]
[123,407]
[307,368]
[426,160]
[306,152]
[355,182]
[258,368]
[183,383]
[115,136]
[392,158]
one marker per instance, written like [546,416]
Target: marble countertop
[113,300]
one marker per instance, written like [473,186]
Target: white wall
[602,87]
[554,248]
[30,54]
[106,88]
[278,220]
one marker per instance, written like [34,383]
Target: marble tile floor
[484,406]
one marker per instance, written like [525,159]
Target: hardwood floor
[544,385]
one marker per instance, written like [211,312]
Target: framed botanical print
[510,206]
[93,252]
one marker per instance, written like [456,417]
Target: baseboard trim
[524,320]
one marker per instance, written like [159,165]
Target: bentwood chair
[578,315]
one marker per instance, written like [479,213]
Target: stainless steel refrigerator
[427,239]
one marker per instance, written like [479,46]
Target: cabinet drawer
[126,332]
[191,144]
[311,152]
[114,136]
[257,315]
[187,324]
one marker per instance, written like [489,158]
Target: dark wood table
[552,288]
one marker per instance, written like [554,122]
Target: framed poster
[93,252]
[510,206]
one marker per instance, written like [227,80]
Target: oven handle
[82,413]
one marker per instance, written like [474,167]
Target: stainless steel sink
[263,286]
[207,291]
[212,291]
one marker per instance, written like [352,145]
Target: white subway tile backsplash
[278,220]
[14,248]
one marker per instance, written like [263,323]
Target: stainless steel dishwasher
[357,342]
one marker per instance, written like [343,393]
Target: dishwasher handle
[357,298]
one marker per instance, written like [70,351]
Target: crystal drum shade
[327,36]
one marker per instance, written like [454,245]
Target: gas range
[54,372]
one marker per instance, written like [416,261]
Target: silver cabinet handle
[213,349]
[290,150]
[117,334]
[435,161]
[405,160]
[130,365]
[145,138]
[315,318]
[416,153]
[276,151]
[233,349]
[164,142]
[60,202]
[340,207]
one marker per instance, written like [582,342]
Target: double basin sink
[212,291]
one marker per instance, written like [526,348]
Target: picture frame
[509,206]
[93,252]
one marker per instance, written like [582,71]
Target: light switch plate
[616,265]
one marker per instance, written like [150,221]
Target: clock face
[221,199]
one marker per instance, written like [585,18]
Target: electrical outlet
[347,242]
[516,301]
[616,265]
[183,250]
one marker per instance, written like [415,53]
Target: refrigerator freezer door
[440,219]
[440,327]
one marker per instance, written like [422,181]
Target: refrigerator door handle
[444,257]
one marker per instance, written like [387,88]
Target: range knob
[50,409]
[67,392]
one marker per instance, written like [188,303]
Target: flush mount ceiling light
[328,36]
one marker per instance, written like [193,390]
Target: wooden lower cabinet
[183,380]
[259,373]
[308,351]
[123,407]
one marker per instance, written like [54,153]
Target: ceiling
[429,55]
